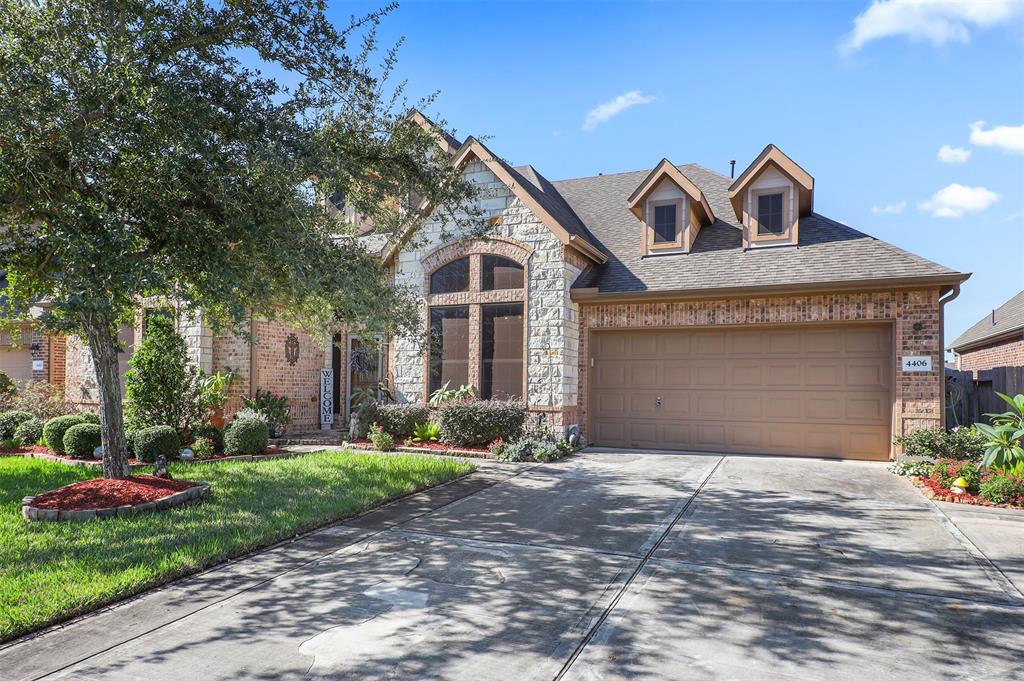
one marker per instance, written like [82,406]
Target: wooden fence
[968,399]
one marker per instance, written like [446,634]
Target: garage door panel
[746,375]
[675,375]
[805,391]
[610,404]
[783,375]
[822,375]
[827,341]
[864,375]
[643,374]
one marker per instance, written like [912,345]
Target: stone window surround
[475,297]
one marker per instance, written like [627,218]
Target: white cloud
[889,208]
[1005,137]
[607,110]
[937,21]
[956,199]
[948,154]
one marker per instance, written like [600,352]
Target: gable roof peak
[665,170]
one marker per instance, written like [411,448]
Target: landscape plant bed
[428,448]
[103,498]
[54,571]
[40,452]
[934,490]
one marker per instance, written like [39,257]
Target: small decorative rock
[160,468]
[186,454]
[97,453]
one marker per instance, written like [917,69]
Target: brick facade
[1008,352]
[917,396]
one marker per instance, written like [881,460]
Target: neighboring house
[670,308]
[26,353]
[997,340]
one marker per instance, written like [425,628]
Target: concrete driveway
[609,565]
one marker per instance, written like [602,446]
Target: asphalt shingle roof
[1008,317]
[828,250]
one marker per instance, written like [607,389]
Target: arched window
[477,337]
[501,273]
[451,278]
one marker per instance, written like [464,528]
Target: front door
[364,368]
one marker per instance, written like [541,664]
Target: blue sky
[865,111]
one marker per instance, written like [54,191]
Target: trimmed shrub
[529,449]
[149,443]
[399,420]
[212,433]
[162,387]
[9,421]
[246,435]
[937,443]
[53,431]
[90,417]
[467,424]
[29,431]
[1002,489]
[945,471]
[81,440]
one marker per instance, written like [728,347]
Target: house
[676,308]
[997,340]
[671,307]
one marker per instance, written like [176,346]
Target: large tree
[140,156]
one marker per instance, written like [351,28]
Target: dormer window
[665,224]
[671,210]
[771,213]
[770,197]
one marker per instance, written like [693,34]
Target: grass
[53,571]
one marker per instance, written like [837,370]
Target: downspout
[252,356]
[950,296]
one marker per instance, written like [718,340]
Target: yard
[52,571]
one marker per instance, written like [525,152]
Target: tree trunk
[103,347]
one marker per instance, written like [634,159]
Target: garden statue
[160,468]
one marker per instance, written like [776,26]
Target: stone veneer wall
[918,396]
[1005,353]
[551,316]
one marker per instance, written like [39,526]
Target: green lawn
[50,571]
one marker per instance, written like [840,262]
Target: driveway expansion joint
[603,615]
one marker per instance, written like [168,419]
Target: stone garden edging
[186,497]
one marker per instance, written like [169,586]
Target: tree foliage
[139,157]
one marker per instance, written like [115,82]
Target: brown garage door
[805,391]
[16,362]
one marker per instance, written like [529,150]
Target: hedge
[9,422]
[29,431]
[81,440]
[399,420]
[246,436]
[150,443]
[466,424]
[53,431]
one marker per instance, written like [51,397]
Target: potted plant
[214,395]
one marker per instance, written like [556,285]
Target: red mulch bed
[934,490]
[27,449]
[103,493]
[432,446]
